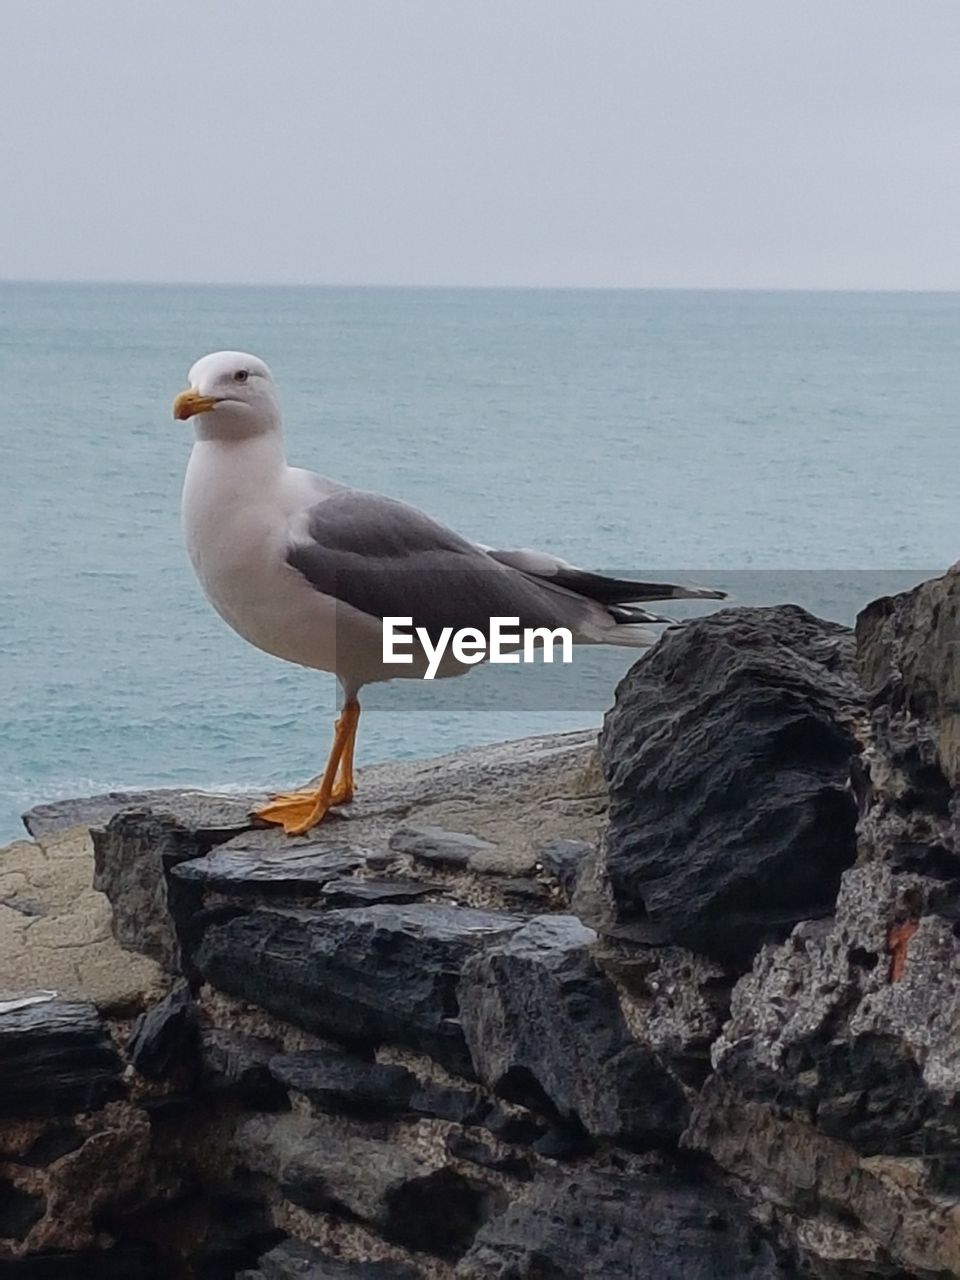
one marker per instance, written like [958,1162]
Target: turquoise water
[722,435]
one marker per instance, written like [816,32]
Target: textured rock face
[461,1031]
[370,974]
[829,1026]
[835,1096]
[609,1224]
[907,650]
[321,1163]
[294,1260]
[909,781]
[55,1058]
[545,1028]
[727,755]
[343,1082]
[137,848]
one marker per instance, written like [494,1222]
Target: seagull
[307,569]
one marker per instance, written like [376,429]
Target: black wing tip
[697,593]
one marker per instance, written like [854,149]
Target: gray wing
[388,559]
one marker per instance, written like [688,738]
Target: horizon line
[84,282]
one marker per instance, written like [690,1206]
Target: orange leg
[345,786]
[298,811]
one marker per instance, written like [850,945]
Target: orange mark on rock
[898,940]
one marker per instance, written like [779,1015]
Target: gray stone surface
[337,1081]
[370,975]
[673,1000]
[545,1028]
[511,795]
[296,1260]
[813,1060]
[834,1097]
[255,865]
[870,1216]
[56,1057]
[907,780]
[237,1066]
[133,855]
[907,649]
[319,1163]
[727,754]
[164,1039]
[205,810]
[613,1226]
[827,1025]
[437,847]
[564,860]
[357,891]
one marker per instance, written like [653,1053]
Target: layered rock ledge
[682,1003]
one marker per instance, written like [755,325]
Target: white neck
[230,471]
[254,446]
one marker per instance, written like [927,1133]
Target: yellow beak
[191,402]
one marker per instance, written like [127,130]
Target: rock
[837,1026]
[457,1106]
[238,1066]
[55,1058]
[357,892]
[513,1126]
[85,1192]
[896,1220]
[54,1141]
[909,773]
[236,1233]
[164,1039]
[518,894]
[611,1226]
[460,852]
[319,1164]
[55,928]
[337,1081]
[566,1140]
[297,1260]
[834,1094]
[727,754]
[509,790]
[218,816]
[255,865]
[462,1147]
[19,1210]
[138,1263]
[133,854]
[675,1001]
[544,1028]
[907,659]
[364,975]
[564,860]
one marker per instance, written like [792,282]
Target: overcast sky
[747,143]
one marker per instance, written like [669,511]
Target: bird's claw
[300,811]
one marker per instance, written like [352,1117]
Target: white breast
[237,506]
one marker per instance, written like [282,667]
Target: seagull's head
[230,393]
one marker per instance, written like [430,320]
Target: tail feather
[627,614]
[630,635]
[596,586]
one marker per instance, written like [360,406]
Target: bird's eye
[241,375]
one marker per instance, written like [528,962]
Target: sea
[786,446]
